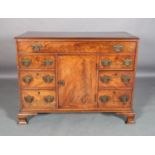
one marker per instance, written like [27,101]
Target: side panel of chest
[77,82]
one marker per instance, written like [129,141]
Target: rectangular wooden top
[75,35]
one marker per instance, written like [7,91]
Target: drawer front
[114,99]
[40,99]
[36,61]
[29,79]
[113,79]
[77,46]
[111,62]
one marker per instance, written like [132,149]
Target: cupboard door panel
[77,82]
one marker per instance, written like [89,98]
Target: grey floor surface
[79,123]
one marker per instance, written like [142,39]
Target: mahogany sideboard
[76,72]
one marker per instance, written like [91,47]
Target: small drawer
[114,98]
[115,62]
[77,46]
[30,79]
[115,79]
[36,61]
[38,99]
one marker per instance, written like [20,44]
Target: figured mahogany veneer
[76,46]
[38,99]
[35,61]
[76,72]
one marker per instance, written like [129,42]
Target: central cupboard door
[77,82]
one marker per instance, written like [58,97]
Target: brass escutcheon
[125,78]
[48,78]
[124,98]
[104,98]
[36,47]
[105,79]
[47,62]
[29,99]
[127,62]
[49,98]
[27,79]
[26,62]
[106,62]
[117,48]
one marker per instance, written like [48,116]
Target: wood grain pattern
[78,46]
[116,79]
[38,79]
[76,63]
[114,101]
[38,99]
[117,62]
[37,61]
[79,75]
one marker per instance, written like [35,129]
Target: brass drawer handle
[106,62]
[29,99]
[36,47]
[124,98]
[104,98]
[27,79]
[48,78]
[47,62]
[48,99]
[26,62]
[105,79]
[118,48]
[125,78]
[127,62]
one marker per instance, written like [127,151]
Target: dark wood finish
[76,35]
[76,72]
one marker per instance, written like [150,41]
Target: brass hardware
[49,98]
[27,79]
[48,78]
[117,48]
[124,98]
[47,62]
[26,62]
[106,62]
[61,82]
[36,47]
[127,62]
[29,99]
[125,78]
[105,79]
[104,99]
